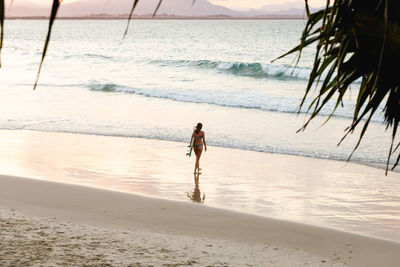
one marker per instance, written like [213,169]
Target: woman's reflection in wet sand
[195,196]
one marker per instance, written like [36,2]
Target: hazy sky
[243,4]
[234,4]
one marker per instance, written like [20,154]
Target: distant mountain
[293,8]
[276,8]
[170,7]
[185,8]
[114,7]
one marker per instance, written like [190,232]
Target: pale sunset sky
[241,4]
[233,4]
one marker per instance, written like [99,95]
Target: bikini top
[201,136]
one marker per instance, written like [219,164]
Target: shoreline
[20,183]
[375,165]
[158,17]
[128,212]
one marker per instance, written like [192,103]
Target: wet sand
[47,223]
[326,193]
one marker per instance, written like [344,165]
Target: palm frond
[2,15]
[355,39]
[154,13]
[53,14]
[135,2]
[157,8]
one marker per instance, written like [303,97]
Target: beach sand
[46,223]
[112,201]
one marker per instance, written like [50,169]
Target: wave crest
[256,70]
[253,100]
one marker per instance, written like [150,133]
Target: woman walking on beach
[197,141]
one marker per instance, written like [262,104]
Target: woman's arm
[204,141]
[191,139]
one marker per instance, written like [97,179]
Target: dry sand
[27,240]
[46,224]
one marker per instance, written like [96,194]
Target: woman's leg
[198,150]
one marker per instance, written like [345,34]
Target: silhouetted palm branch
[2,14]
[135,2]
[53,14]
[356,39]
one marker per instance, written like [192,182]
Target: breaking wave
[237,99]
[256,70]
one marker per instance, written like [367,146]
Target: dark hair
[198,128]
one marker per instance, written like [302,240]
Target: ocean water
[166,76]
[217,72]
